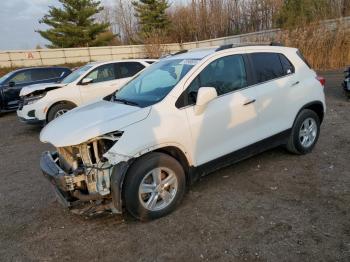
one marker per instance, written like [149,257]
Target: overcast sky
[19,20]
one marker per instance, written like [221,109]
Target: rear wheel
[305,132]
[58,110]
[154,186]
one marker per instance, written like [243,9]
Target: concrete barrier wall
[38,57]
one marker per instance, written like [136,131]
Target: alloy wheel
[158,189]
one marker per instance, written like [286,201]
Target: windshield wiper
[126,102]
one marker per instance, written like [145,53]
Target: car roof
[40,67]
[120,61]
[200,53]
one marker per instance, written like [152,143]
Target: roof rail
[172,54]
[180,52]
[223,47]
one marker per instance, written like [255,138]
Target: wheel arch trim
[311,106]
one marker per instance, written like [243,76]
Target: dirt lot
[272,207]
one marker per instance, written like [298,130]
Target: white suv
[181,118]
[44,102]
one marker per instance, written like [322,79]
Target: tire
[54,110]
[154,202]
[301,142]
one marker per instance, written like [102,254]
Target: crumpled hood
[31,88]
[84,123]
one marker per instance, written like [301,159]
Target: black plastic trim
[241,154]
[117,179]
[308,105]
[34,121]
[52,171]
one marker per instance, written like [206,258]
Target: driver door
[13,87]
[104,80]
[228,122]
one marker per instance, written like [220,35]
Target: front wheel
[305,132]
[58,110]
[154,185]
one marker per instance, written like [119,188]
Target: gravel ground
[272,207]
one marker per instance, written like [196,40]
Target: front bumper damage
[75,189]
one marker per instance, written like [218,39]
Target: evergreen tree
[74,25]
[152,16]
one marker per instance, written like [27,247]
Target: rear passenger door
[275,79]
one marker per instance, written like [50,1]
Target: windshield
[155,82]
[76,74]
[4,78]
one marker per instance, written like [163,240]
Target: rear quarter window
[288,67]
[267,66]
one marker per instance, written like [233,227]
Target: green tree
[300,12]
[152,16]
[74,25]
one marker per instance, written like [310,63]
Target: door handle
[296,83]
[249,102]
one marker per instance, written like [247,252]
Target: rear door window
[267,66]
[128,69]
[42,74]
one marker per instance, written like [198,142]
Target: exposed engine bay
[87,174]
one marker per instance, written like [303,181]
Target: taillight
[321,79]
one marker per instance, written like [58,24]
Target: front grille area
[31,113]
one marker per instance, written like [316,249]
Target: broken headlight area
[33,97]
[82,175]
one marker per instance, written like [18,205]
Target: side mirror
[12,83]
[87,81]
[204,96]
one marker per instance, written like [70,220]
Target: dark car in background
[12,83]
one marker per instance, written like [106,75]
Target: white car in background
[42,103]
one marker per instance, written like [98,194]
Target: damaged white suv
[183,117]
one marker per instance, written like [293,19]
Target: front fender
[115,157]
